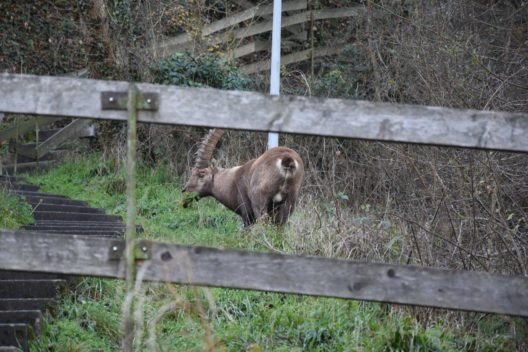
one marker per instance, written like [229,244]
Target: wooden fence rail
[85,255]
[27,125]
[63,96]
[76,128]
[170,45]
[291,58]
[184,41]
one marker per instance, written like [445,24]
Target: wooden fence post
[128,305]
[37,141]
[17,127]
[1,161]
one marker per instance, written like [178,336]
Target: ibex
[266,187]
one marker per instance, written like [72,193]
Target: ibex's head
[202,175]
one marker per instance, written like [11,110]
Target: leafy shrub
[204,70]
[343,81]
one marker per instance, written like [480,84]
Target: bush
[204,70]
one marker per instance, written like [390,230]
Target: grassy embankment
[177,318]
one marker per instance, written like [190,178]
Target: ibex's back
[264,187]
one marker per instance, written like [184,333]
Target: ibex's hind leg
[247,215]
[260,202]
[260,210]
[282,213]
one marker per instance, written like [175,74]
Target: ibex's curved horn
[205,152]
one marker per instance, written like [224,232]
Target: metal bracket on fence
[142,251]
[118,101]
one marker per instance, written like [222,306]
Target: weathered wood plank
[300,18]
[290,59]
[262,45]
[250,48]
[260,112]
[244,3]
[167,46]
[73,130]
[26,126]
[476,291]
[260,10]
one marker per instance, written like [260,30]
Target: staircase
[25,296]
[43,151]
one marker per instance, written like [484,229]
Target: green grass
[88,319]
[14,213]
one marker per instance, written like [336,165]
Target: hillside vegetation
[179,318]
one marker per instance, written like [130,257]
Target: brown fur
[257,189]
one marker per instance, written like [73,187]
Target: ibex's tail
[288,163]
[288,166]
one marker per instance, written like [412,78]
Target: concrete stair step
[84,233]
[26,303]
[18,186]
[8,349]
[37,194]
[74,227]
[22,159]
[43,225]
[30,288]
[82,223]
[39,199]
[29,166]
[27,275]
[14,335]
[32,318]
[9,178]
[64,216]
[67,208]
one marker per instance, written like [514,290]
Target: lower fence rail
[317,276]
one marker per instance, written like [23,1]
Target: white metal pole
[273,138]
